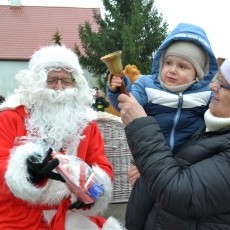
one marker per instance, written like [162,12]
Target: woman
[191,188]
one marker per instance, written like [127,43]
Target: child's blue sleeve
[114,95]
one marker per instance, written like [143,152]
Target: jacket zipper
[175,122]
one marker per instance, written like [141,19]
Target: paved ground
[118,211]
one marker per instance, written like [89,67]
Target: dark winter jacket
[100,104]
[179,115]
[190,189]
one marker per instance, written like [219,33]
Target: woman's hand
[133,174]
[130,108]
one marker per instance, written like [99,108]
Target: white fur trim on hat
[225,69]
[192,53]
[55,56]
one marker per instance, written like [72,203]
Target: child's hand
[115,81]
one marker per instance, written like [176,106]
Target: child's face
[177,71]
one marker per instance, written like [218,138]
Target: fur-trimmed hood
[187,32]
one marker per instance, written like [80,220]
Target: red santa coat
[16,213]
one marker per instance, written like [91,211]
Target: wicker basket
[118,152]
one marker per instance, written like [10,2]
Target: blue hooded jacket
[178,114]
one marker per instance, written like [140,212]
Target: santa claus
[50,113]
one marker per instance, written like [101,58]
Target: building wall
[8,70]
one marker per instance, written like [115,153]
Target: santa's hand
[80,205]
[39,171]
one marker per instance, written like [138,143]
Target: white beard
[58,117]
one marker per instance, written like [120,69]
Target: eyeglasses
[224,86]
[64,81]
[220,85]
[218,79]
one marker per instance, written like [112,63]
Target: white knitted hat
[55,56]
[191,52]
[225,70]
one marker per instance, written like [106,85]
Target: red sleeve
[92,151]
[11,126]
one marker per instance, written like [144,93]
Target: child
[176,94]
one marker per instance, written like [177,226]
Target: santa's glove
[80,205]
[39,171]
